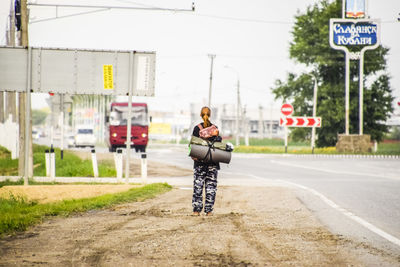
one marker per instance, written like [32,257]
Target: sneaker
[196,213]
[209,214]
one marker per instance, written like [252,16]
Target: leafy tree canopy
[39,116]
[310,46]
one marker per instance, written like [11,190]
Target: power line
[71,15]
[101,8]
[243,19]
[111,7]
[135,3]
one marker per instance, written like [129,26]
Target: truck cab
[116,129]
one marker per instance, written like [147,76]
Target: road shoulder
[251,226]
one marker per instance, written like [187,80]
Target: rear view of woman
[205,174]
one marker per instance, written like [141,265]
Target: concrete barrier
[354,143]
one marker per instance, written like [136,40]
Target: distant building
[261,122]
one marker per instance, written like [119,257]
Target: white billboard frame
[77,71]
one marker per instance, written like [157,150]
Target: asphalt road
[354,197]
[366,188]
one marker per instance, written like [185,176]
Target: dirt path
[51,193]
[264,226]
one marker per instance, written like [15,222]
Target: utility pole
[11,96]
[245,127]
[260,122]
[237,113]
[62,124]
[1,107]
[314,112]
[211,75]
[24,169]
[271,121]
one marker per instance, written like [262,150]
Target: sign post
[287,110]
[346,33]
[288,120]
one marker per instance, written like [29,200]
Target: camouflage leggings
[204,176]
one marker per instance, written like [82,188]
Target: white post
[52,164]
[286,138]
[62,124]
[271,121]
[118,164]
[361,96]
[211,76]
[27,115]
[128,127]
[47,160]
[314,113]
[347,94]
[94,163]
[144,168]
[343,9]
[237,113]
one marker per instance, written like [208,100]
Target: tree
[310,46]
[39,116]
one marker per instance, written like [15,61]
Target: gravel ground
[252,226]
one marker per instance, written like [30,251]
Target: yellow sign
[160,128]
[108,80]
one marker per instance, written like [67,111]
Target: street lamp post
[237,105]
[211,76]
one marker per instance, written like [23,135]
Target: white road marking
[332,171]
[347,213]
[333,205]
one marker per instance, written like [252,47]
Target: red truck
[117,120]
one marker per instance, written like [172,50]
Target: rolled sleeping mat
[217,155]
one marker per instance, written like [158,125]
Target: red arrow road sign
[300,121]
[287,109]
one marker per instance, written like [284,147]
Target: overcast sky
[251,37]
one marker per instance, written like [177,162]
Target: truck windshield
[119,115]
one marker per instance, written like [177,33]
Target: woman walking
[205,173]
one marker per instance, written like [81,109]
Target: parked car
[84,137]
[35,135]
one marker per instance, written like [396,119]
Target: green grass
[4,153]
[267,142]
[70,166]
[389,148]
[276,146]
[281,149]
[17,214]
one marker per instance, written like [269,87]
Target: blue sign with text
[349,33]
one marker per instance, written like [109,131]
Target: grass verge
[281,149]
[70,166]
[17,214]
[276,146]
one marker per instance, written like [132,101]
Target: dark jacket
[196,132]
